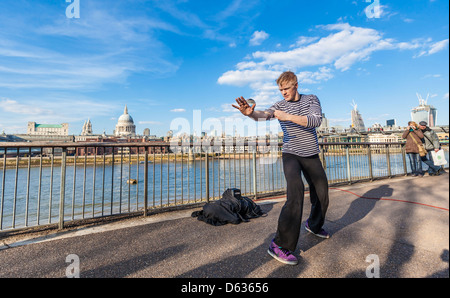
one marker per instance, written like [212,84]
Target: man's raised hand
[244,107]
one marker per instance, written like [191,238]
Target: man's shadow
[357,210]
[364,204]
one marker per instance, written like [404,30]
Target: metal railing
[53,184]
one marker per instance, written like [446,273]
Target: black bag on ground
[231,208]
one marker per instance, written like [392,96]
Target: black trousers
[290,218]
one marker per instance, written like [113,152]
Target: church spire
[126,110]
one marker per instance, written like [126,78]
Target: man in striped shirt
[299,115]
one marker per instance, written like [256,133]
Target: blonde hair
[287,77]
[413,123]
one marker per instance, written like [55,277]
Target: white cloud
[230,10]
[344,48]
[51,108]
[322,75]
[71,106]
[429,48]
[304,40]
[438,46]
[12,106]
[247,76]
[341,49]
[178,110]
[150,122]
[62,72]
[258,37]
[106,47]
[213,27]
[431,76]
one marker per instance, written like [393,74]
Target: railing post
[322,157]
[63,189]
[347,153]
[369,156]
[3,189]
[388,160]
[405,169]
[28,187]
[15,189]
[207,175]
[255,189]
[146,180]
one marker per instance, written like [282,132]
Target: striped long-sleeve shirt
[300,140]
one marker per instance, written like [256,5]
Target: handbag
[438,158]
[422,151]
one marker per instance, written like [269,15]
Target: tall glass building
[424,112]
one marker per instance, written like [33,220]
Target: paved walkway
[408,231]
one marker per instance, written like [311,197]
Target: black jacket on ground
[229,209]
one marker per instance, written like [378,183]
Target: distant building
[170,135]
[376,127]
[424,112]
[357,121]
[87,128]
[324,126]
[383,138]
[391,123]
[125,125]
[48,129]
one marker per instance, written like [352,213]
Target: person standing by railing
[299,115]
[413,136]
[431,144]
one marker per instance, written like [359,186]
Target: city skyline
[165,60]
[87,129]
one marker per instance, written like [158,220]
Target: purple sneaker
[322,233]
[281,254]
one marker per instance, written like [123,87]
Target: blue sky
[167,59]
